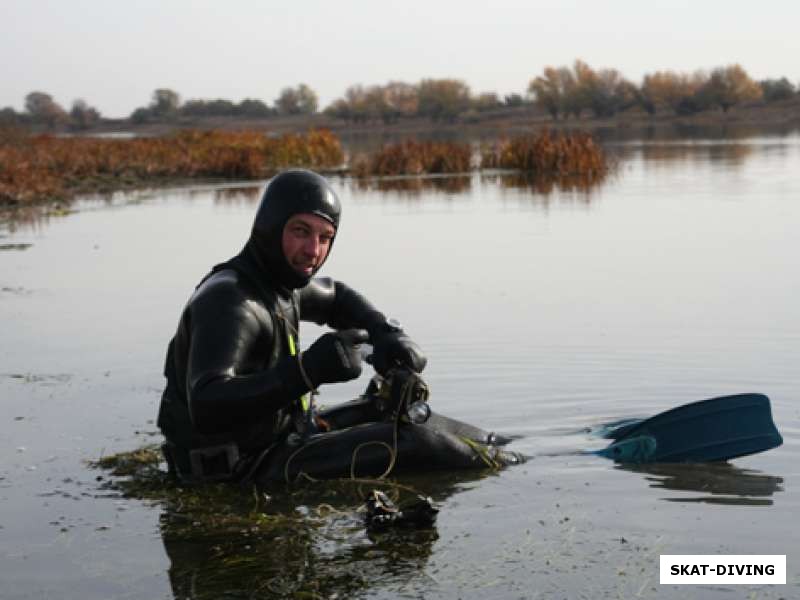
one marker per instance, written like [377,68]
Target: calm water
[543,314]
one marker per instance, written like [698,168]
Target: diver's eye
[300,231]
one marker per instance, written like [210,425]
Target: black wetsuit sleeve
[332,303]
[229,340]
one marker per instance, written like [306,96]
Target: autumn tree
[563,91]
[43,109]
[83,116]
[608,93]
[486,101]
[370,103]
[353,106]
[665,88]
[443,99]
[402,100]
[729,86]
[301,100]
[548,91]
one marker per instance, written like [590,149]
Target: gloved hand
[392,347]
[334,357]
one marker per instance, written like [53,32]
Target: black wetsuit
[234,383]
[231,380]
[230,373]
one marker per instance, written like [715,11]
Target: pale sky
[114,54]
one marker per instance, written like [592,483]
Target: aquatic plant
[546,153]
[300,541]
[415,158]
[44,167]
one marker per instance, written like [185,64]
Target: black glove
[334,357]
[392,347]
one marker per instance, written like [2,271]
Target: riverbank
[485,124]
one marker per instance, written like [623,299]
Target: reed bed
[547,154]
[38,168]
[415,158]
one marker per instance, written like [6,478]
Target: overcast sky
[114,54]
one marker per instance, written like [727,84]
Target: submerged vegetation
[38,168]
[302,541]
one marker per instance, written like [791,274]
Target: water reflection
[310,542]
[33,218]
[449,184]
[701,153]
[238,196]
[544,184]
[537,184]
[718,483]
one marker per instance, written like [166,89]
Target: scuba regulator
[401,395]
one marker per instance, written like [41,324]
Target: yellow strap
[305,402]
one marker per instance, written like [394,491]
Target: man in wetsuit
[237,382]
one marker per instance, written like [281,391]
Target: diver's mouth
[306,268]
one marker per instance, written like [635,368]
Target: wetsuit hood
[290,193]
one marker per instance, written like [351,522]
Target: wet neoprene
[334,357]
[392,347]
[290,193]
[230,371]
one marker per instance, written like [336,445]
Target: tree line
[562,92]
[565,91]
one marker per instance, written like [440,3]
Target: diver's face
[306,241]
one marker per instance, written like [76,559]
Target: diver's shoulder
[225,284]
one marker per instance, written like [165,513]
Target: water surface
[544,312]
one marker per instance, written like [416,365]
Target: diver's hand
[334,357]
[392,347]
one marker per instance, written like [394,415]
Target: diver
[238,404]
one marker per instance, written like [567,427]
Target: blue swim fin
[710,430]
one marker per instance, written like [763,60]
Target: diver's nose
[311,247]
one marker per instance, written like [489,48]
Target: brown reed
[416,158]
[39,168]
[546,153]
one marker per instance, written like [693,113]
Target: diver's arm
[222,389]
[333,303]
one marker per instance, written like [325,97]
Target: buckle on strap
[214,463]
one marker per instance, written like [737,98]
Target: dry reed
[547,154]
[38,168]
[416,158]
